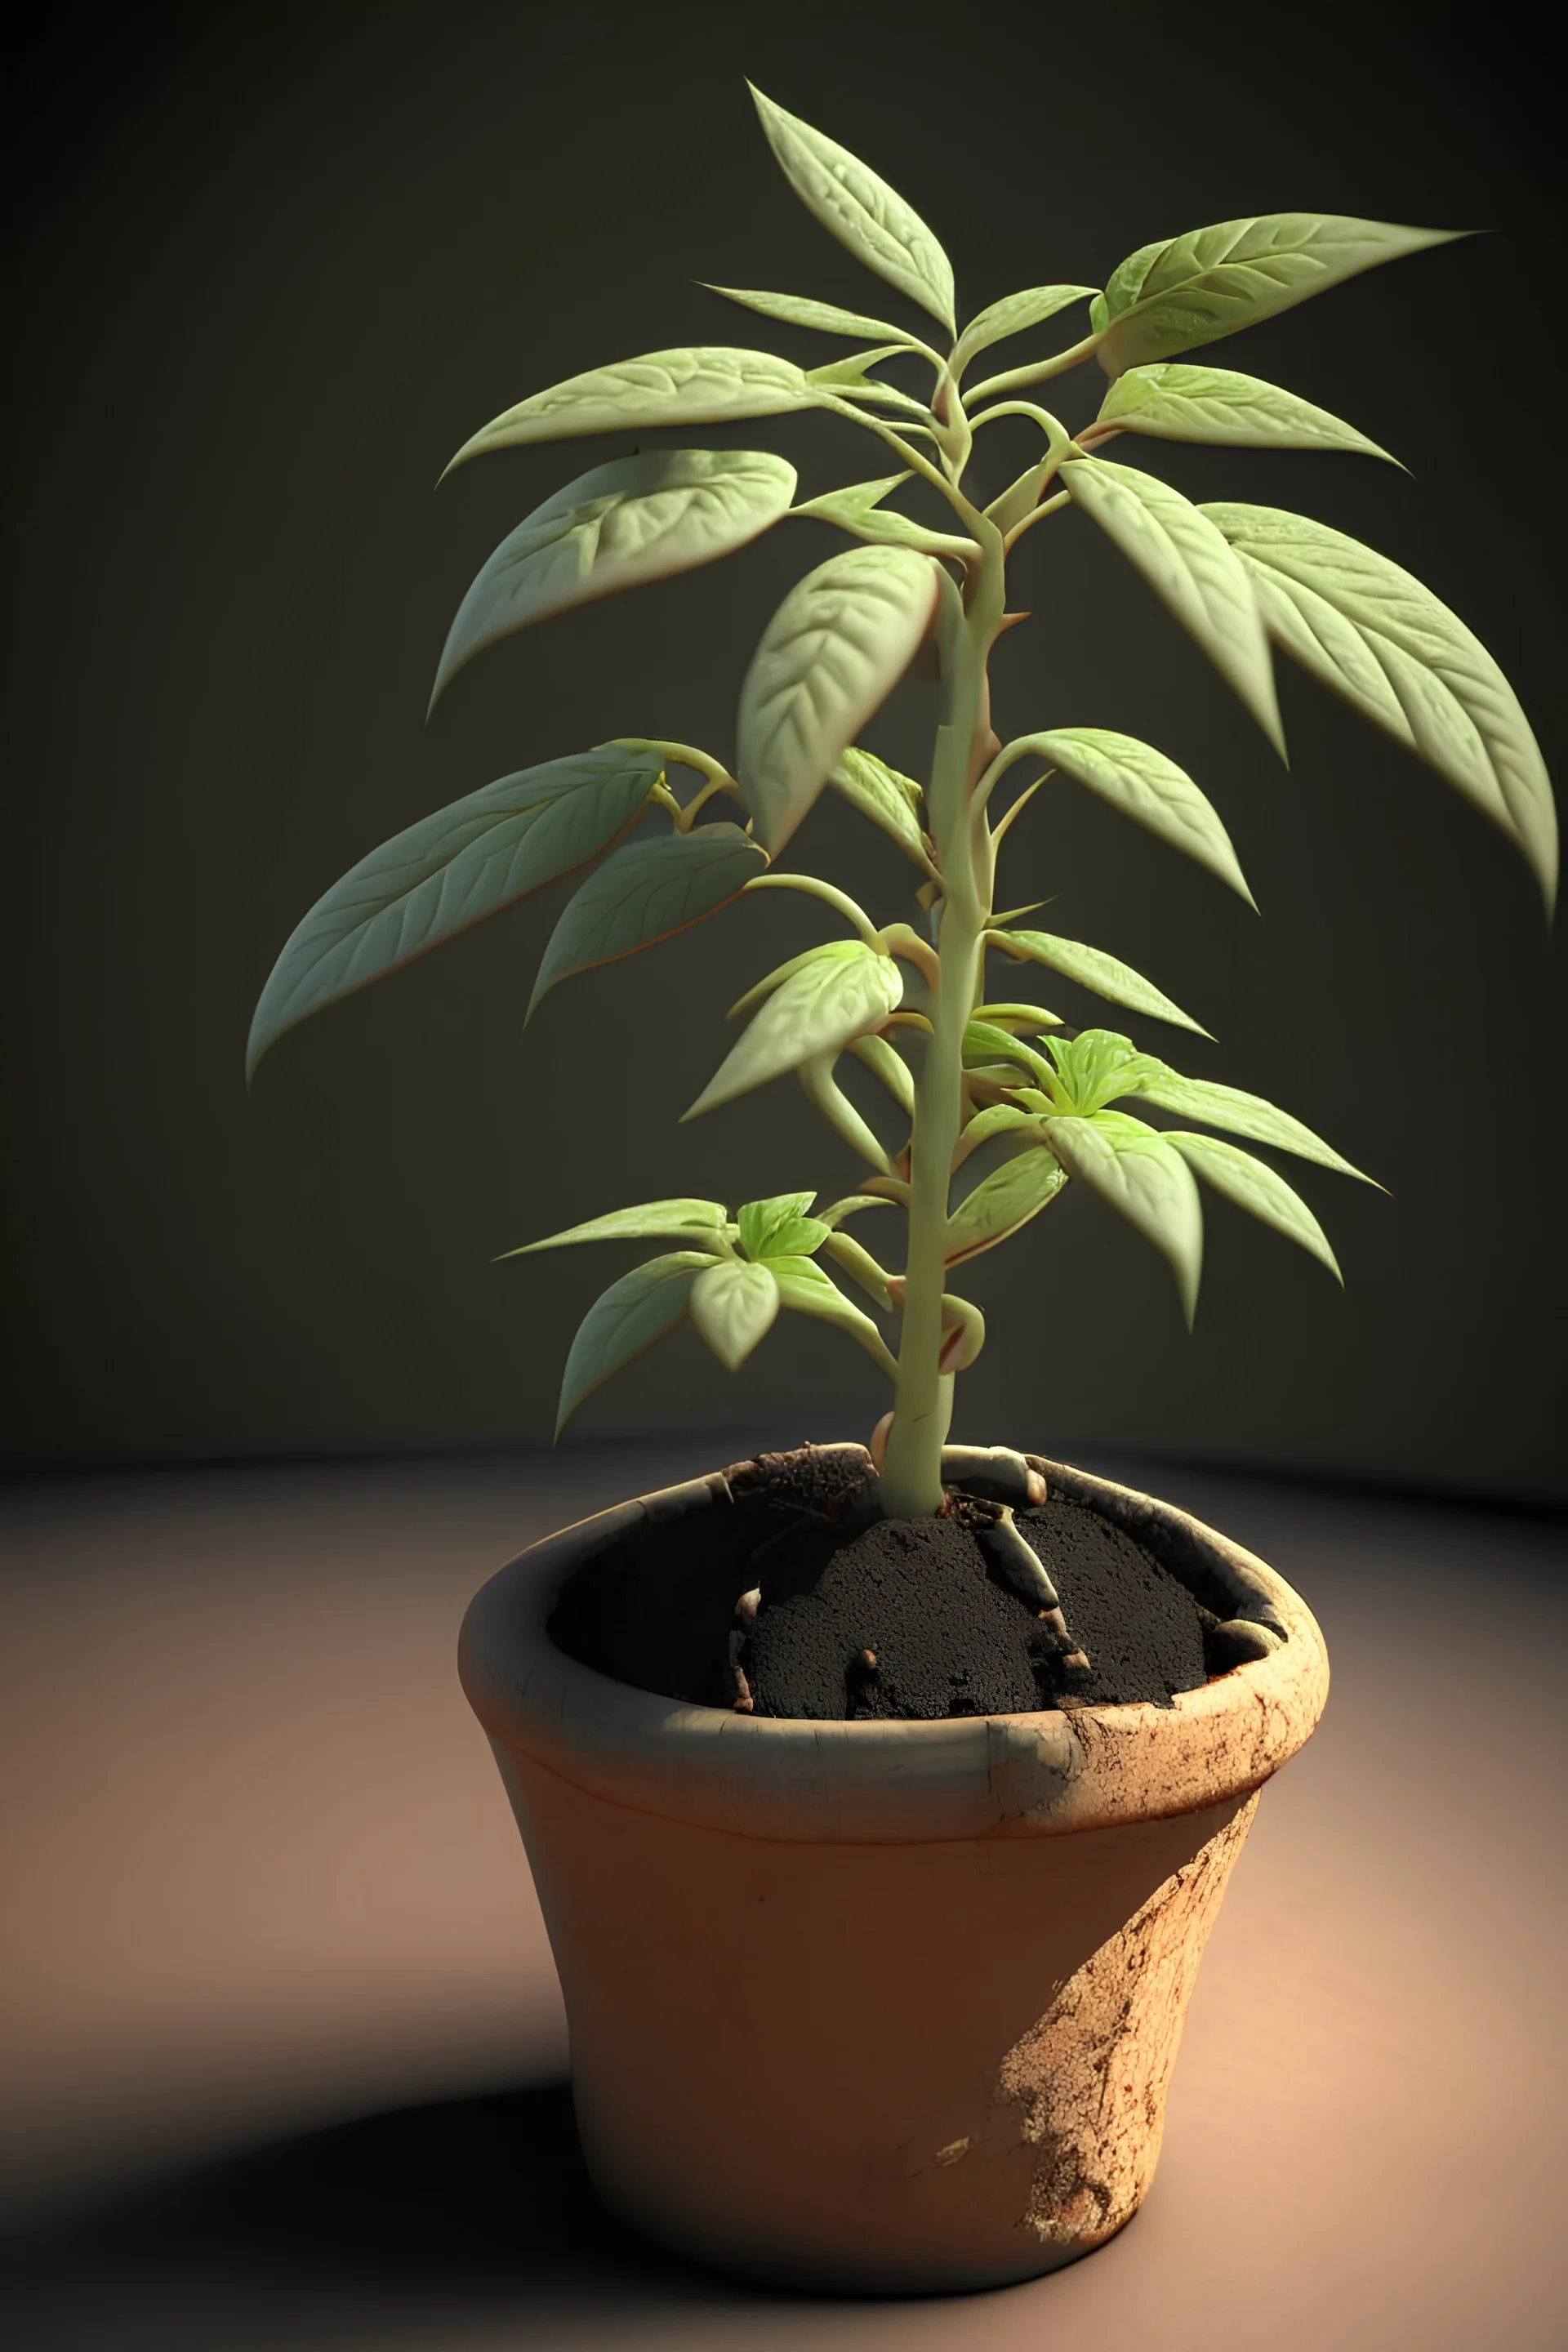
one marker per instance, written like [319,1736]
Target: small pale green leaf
[1003,1202]
[986,1043]
[636,520]
[1182,403]
[1255,1187]
[1147,1181]
[666,1219]
[825,317]
[850,1206]
[1241,1114]
[448,872]
[859,1265]
[1096,1067]
[823,1092]
[851,379]
[1020,1020]
[1175,295]
[830,951]
[1146,786]
[629,1317]
[1193,571]
[1373,634]
[804,1287]
[890,800]
[860,210]
[760,1220]
[1092,968]
[732,1306]
[702,385]
[887,1064]
[858,509]
[648,890]
[830,656]
[817,1011]
[1014,315]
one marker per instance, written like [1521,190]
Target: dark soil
[863,1617]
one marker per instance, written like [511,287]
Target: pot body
[871,2006]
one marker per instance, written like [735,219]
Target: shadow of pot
[883,2007]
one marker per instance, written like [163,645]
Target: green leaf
[664,1218]
[1175,295]
[1192,570]
[858,509]
[830,951]
[850,379]
[1092,968]
[448,872]
[1241,1114]
[996,1118]
[1373,634]
[851,1204]
[826,318]
[701,385]
[859,1265]
[1203,404]
[817,1011]
[1003,1202]
[1096,1066]
[860,210]
[1021,1020]
[629,1317]
[889,799]
[986,1043]
[1144,785]
[1255,1187]
[732,1306]
[1147,1181]
[636,520]
[831,655]
[804,1287]
[823,1091]
[648,890]
[890,1066]
[1014,315]
[762,1221]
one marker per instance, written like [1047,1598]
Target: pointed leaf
[1014,315]
[1242,1114]
[699,385]
[636,520]
[1092,968]
[1146,786]
[628,1317]
[688,1219]
[732,1306]
[760,1220]
[823,1092]
[826,318]
[860,210]
[1182,403]
[850,379]
[448,872]
[1147,1181]
[1097,1067]
[817,1011]
[1003,1202]
[889,799]
[1174,296]
[889,1065]
[859,1265]
[1021,1020]
[804,1287]
[1373,634]
[1255,1187]
[858,509]
[830,951]
[986,1043]
[648,890]
[1191,569]
[830,656]
[850,1204]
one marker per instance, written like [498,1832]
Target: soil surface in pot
[859,1617]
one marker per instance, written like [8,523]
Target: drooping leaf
[1014,315]
[638,519]
[1373,634]
[823,1090]
[448,872]
[1146,786]
[1191,568]
[1020,1020]
[1175,295]
[648,890]
[626,1318]
[817,1011]
[858,509]
[996,1118]
[732,1306]
[850,1206]
[1107,975]
[859,1265]
[700,386]
[880,793]
[1003,1202]
[886,1063]
[826,318]
[667,1219]
[1241,1114]
[851,379]
[762,1221]
[1147,1181]
[1254,1186]
[804,1287]
[1183,402]
[830,656]
[830,951]
[1096,1067]
[986,1043]
[860,210]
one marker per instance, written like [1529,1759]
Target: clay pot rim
[1043,1773]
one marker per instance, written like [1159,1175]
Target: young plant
[999,1084]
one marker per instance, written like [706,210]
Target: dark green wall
[274,265]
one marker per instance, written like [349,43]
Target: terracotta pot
[881,2006]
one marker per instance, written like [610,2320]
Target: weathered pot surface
[881,2006]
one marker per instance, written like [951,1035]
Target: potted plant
[880,1798]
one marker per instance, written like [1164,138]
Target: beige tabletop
[282,2048]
